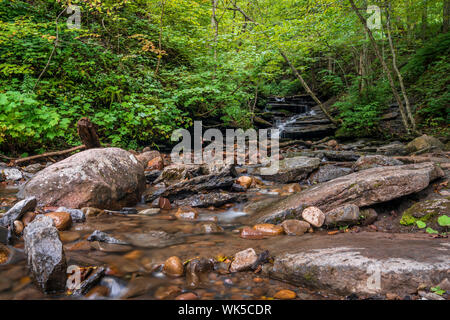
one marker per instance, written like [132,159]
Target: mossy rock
[427,211]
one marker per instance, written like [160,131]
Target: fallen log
[48,154]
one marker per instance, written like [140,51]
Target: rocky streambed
[339,220]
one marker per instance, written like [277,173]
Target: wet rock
[196,271]
[423,143]
[368,216]
[145,157]
[164,203]
[223,179]
[149,212]
[187,296]
[430,296]
[152,239]
[18,227]
[173,267]
[77,215]
[100,236]
[155,164]
[252,234]
[314,216]
[45,255]
[268,229]
[104,178]
[17,211]
[245,181]
[445,285]
[69,236]
[362,188]
[216,199]
[62,220]
[167,292]
[285,295]
[34,168]
[177,172]
[186,213]
[290,169]
[28,217]
[373,161]
[92,212]
[210,227]
[294,227]
[393,149]
[152,175]
[243,260]
[328,172]
[10,174]
[344,215]
[4,254]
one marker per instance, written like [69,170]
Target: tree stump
[88,133]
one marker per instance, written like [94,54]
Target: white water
[281,126]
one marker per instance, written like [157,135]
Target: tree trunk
[158,64]
[446,16]
[88,133]
[397,71]
[424,19]
[385,68]
[215,25]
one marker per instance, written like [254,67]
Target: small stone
[392,296]
[285,295]
[294,227]
[62,220]
[155,164]
[187,296]
[76,214]
[186,213]
[92,212]
[69,236]
[149,212]
[18,227]
[269,229]
[291,188]
[4,253]
[28,217]
[258,280]
[12,174]
[164,203]
[167,292]
[243,260]
[314,216]
[250,233]
[133,255]
[211,228]
[245,181]
[332,143]
[173,267]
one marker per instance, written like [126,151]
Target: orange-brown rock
[62,220]
[173,267]
[268,229]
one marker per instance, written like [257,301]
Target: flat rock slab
[362,188]
[362,263]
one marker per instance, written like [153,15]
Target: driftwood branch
[49,154]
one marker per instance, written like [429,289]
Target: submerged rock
[104,178]
[215,199]
[152,239]
[362,188]
[45,254]
[100,236]
[290,169]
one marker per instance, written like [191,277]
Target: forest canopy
[140,69]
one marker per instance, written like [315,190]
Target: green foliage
[360,111]
[437,290]
[421,224]
[444,221]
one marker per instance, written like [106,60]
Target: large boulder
[45,254]
[423,143]
[362,188]
[291,169]
[109,178]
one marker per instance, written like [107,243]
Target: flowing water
[134,270]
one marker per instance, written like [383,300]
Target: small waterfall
[282,124]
